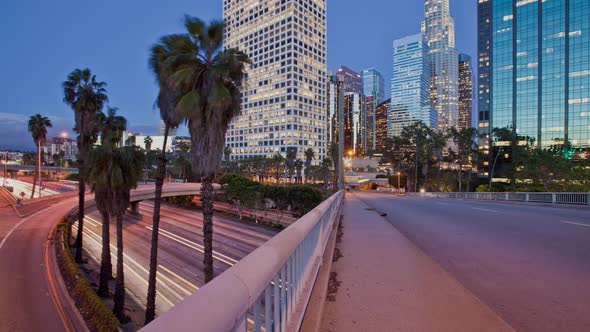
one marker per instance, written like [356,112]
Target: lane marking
[179,277]
[574,223]
[221,257]
[29,217]
[486,210]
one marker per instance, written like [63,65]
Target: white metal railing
[550,198]
[267,290]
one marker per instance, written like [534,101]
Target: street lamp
[494,167]
[399,187]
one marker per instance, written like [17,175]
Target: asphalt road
[530,264]
[25,301]
[180,254]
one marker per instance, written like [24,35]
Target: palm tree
[290,161]
[299,168]
[86,96]
[148,143]
[115,171]
[210,79]
[38,125]
[309,155]
[227,153]
[277,160]
[166,102]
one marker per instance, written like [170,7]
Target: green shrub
[72,176]
[97,314]
[303,199]
[182,201]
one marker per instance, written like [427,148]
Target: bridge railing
[267,290]
[548,198]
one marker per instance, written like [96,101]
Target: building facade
[465,91]
[335,108]
[59,145]
[540,71]
[374,93]
[354,129]
[484,82]
[353,81]
[438,28]
[284,95]
[410,85]
[381,112]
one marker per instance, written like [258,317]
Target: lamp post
[493,168]
[399,187]
[39,167]
[5,166]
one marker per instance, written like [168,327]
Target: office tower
[352,80]
[374,93]
[540,83]
[439,30]
[381,112]
[410,85]
[335,104]
[284,95]
[484,76]
[353,124]
[465,91]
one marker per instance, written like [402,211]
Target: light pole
[399,187]
[493,168]
[5,166]
[39,167]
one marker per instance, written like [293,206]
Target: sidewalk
[388,284]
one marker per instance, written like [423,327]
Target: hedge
[96,313]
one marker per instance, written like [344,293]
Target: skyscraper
[352,80]
[381,113]
[353,124]
[484,76]
[439,30]
[465,91]
[410,85]
[335,104]
[284,95]
[373,92]
[540,62]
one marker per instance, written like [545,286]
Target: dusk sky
[42,41]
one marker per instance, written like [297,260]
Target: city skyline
[120,58]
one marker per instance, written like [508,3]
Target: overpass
[32,168]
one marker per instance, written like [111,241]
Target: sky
[43,41]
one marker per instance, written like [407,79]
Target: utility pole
[5,166]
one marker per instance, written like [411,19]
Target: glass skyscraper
[439,30]
[373,93]
[540,78]
[465,91]
[410,85]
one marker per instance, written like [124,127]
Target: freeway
[530,264]
[180,254]
[26,187]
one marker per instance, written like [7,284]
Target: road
[26,303]
[21,186]
[530,264]
[180,257]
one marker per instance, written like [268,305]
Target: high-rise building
[540,62]
[353,124]
[352,80]
[284,95]
[381,112]
[465,91]
[374,93]
[484,76]
[438,28]
[335,104]
[410,85]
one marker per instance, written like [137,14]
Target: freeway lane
[531,264]
[180,269]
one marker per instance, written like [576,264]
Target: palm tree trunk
[81,190]
[36,172]
[438,176]
[106,266]
[207,203]
[150,312]
[119,297]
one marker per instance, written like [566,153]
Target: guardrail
[267,290]
[548,198]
